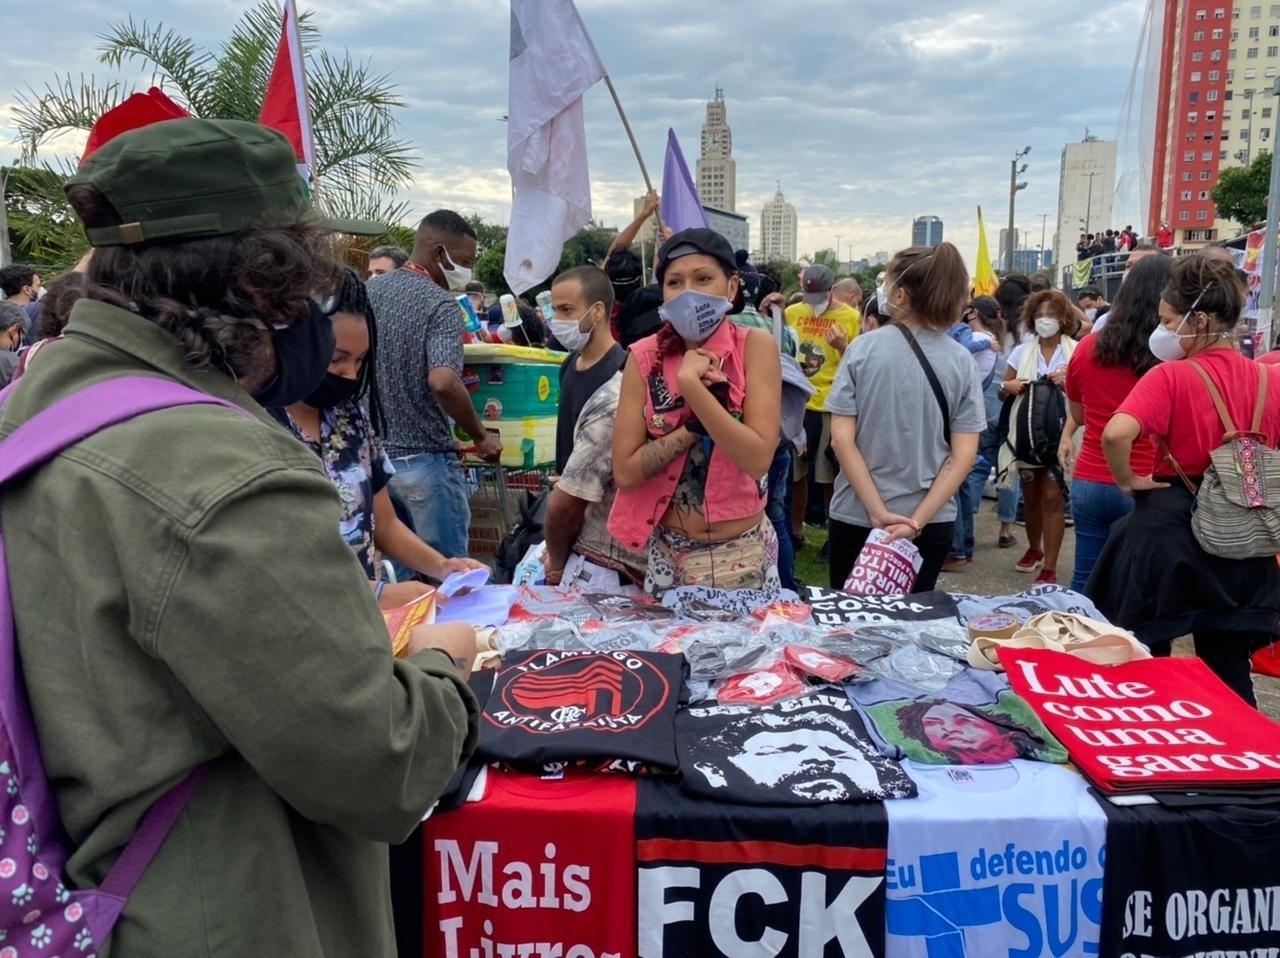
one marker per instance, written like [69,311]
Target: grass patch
[809,570]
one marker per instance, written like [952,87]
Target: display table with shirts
[1012,857]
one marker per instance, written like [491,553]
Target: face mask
[303,354]
[1047,327]
[332,391]
[1091,313]
[886,307]
[695,316]
[1166,345]
[568,334]
[455,277]
[818,302]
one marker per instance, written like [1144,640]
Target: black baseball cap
[187,178]
[698,240]
[986,305]
[818,279]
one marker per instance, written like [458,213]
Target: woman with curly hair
[693,442]
[1051,323]
[186,613]
[332,422]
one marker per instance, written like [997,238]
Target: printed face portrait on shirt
[938,731]
[816,757]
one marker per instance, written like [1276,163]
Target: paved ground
[992,573]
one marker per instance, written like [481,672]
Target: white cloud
[868,113]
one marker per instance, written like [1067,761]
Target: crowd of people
[222,570]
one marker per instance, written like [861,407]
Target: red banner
[1149,725]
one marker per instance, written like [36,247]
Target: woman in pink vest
[691,445]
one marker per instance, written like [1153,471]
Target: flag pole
[626,125]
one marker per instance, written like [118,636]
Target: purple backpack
[39,916]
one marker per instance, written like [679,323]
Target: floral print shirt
[358,468]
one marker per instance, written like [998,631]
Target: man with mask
[824,329]
[12,319]
[21,286]
[419,370]
[590,379]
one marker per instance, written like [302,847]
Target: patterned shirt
[419,329]
[358,468]
[751,318]
[588,475]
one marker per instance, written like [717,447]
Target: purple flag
[681,207]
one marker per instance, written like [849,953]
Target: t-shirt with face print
[801,751]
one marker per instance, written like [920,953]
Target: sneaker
[1007,541]
[955,563]
[1031,561]
[1047,577]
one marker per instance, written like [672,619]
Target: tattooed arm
[636,457]
[955,470]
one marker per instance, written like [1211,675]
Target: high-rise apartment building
[778,229]
[1249,106]
[1203,43]
[1086,193]
[716,171]
[926,231]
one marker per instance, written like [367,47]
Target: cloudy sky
[868,113]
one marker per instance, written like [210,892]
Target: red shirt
[1101,390]
[1172,403]
[536,861]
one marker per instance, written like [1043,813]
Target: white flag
[553,62]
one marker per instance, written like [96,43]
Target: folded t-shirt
[565,706]
[802,751]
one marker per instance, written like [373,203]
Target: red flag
[285,107]
[139,110]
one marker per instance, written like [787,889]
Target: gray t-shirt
[419,329]
[899,423]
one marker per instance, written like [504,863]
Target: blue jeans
[432,487]
[778,508]
[1095,506]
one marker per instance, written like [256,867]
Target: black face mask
[303,354]
[333,389]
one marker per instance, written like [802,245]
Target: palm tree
[360,164]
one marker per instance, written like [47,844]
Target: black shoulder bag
[930,375]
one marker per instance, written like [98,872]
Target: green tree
[360,163]
[1241,193]
[42,229]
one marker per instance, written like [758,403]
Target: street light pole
[1014,186]
[1267,295]
[1044,225]
[1248,145]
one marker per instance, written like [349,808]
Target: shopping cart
[499,498]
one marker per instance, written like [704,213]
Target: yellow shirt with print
[814,353]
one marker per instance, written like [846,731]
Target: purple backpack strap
[40,438]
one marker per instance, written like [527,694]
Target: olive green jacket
[183,595]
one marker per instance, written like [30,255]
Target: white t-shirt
[1059,360]
[994,860]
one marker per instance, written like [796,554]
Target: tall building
[1086,192]
[926,231]
[1203,43]
[1249,110]
[778,229]
[649,230]
[716,171]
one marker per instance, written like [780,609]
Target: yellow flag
[984,277]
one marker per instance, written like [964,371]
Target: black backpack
[1031,424]
[525,533]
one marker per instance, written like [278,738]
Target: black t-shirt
[576,387]
[719,879]
[1192,882]
[569,706]
[802,751]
